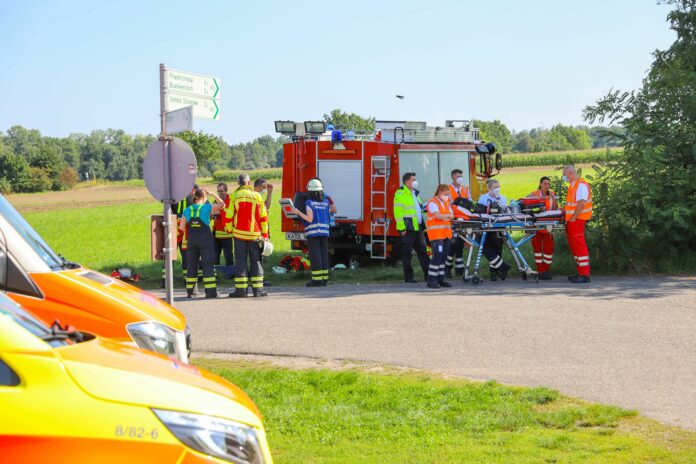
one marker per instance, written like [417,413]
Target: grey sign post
[170,165]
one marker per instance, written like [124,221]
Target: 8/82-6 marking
[129,431]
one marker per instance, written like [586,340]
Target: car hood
[113,371]
[107,298]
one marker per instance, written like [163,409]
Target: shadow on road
[601,288]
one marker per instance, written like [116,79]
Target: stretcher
[475,229]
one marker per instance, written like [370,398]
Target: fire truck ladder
[379,221]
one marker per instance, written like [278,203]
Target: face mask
[496,191]
[444,197]
[414,184]
[564,178]
[262,192]
[460,180]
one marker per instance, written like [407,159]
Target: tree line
[31,162]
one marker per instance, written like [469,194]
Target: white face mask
[460,180]
[564,178]
[414,184]
[496,191]
[263,192]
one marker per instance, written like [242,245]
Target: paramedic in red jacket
[543,240]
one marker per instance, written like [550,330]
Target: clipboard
[286,206]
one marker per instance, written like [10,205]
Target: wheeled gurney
[476,227]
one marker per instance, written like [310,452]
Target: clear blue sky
[75,66]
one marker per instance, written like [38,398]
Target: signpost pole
[168,271]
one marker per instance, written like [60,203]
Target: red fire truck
[361,172]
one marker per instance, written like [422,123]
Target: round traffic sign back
[182,169]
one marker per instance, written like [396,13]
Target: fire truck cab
[361,172]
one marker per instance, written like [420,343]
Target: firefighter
[408,214]
[439,227]
[262,186]
[493,246]
[200,242]
[577,211]
[542,242]
[457,189]
[249,230]
[316,220]
[178,209]
[223,233]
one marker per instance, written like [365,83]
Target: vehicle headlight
[155,337]
[221,438]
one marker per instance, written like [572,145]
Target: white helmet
[266,248]
[314,185]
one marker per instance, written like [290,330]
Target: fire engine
[361,172]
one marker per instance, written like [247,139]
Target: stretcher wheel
[476,280]
[524,276]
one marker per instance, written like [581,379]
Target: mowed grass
[322,416]
[106,237]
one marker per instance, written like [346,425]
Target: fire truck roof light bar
[285,127]
[315,127]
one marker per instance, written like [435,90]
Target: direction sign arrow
[191,84]
[203,108]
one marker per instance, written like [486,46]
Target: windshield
[15,312]
[33,239]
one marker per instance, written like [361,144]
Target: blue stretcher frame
[475,236]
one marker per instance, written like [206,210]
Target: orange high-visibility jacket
[457,191]
[221,228]
[248,214]
[548,201]
[571,202]
[438,229]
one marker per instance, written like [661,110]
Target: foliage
[229,175]
[559,137]
[648,196]
[349,121]
[561,158]
[68,178]
[496,132]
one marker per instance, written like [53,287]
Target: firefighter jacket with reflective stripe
[548,200]
[319,227]
[572,203]
[405,213]
[457,191]
[248,214]
[439,229]
[223,223]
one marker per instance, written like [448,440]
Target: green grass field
[321,416]
[105,237]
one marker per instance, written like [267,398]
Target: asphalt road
[624,341]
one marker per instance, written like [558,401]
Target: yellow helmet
[314,185]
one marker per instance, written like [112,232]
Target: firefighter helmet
[314,185]
[266,248]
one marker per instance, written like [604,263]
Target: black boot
[444,283]
[504,268]
[239,293]
[433,285]
[580,279]
[448,272]
[494,274]
[210,293]
[259,292]
[314,283]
